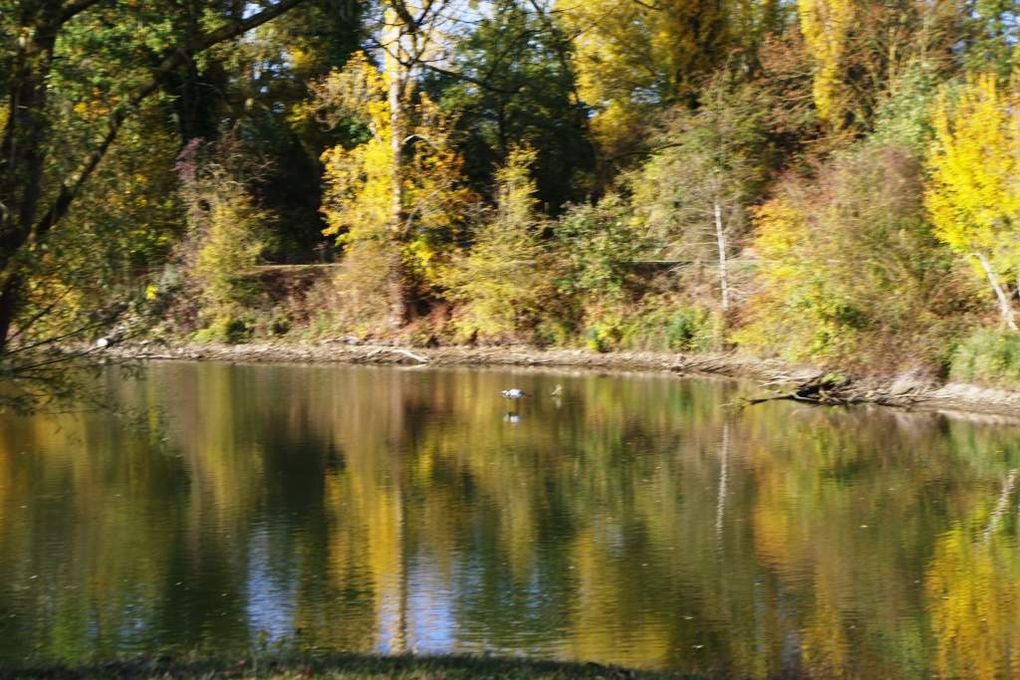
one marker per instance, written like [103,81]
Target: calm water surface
[633,520]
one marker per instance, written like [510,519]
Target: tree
[825,25]
[266,83]
[693,193]
[861,50]
[529,97]
[992,35]
[407,199]
[973,195]
[37,191]
[633,57]
[850,271]
[501,282]
[226,228]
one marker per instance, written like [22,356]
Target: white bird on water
[514,393]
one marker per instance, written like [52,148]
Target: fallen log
[833,390]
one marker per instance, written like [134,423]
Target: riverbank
[338,667]
[777,379]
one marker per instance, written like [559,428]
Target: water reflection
[627,519]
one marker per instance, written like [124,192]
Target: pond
[632,519]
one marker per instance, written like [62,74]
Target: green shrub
[228,329]
[597,243]
[987,357]
[503,284]
[661,323]
[667,325]
[279,325]
[690,330]
[227,228]
[605,335]
[554,332]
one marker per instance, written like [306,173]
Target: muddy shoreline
[777,379]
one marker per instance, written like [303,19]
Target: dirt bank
[778,380]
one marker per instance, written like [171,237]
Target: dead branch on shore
[826,389]
[380,352]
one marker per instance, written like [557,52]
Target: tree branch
[72,185]
[74,8]
[442,71]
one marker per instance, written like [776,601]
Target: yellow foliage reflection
[630,520]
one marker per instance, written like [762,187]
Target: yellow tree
[502,283]
[973,194]
[396,200]
[633,56]
[360,186]
[863,51]
[825,25]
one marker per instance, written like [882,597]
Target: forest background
[827,181]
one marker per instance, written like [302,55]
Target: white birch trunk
[1005,309]
[720,237]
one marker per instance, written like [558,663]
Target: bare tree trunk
[22,150]
[720,237]
[1005,309]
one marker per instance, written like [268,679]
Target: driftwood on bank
[829,390]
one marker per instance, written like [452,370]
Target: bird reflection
[557,395]
[513,396]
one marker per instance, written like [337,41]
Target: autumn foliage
[830,181]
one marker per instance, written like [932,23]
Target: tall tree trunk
[1005,309]
[22,150]
[720,238]
[397,283]
[8,309]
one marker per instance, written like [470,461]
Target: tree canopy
[698,174]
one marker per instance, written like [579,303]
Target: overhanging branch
[74,8]
[70,188]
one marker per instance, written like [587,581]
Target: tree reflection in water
[627,519]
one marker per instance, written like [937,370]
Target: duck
[514,393]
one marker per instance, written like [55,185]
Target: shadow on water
[347,666]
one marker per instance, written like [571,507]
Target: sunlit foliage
[226,232]
[633,57]
[850,268]
[974,192]
[412,203]
[825,24]
[505,278]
